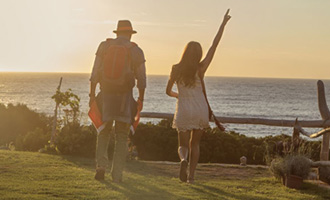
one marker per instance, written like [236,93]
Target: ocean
[230,97]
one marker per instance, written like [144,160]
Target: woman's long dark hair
[187,68]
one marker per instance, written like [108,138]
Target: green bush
[75,139]
[33,140]
[277,167]
[18,120]
[222,147]
[156,142]
[160,142]
[293,164]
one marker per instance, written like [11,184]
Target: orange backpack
[118,74]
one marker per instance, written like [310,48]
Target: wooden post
[295,140]
[52,139]
[324,111]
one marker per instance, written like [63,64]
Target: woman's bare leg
[183,139]
[183,150]
[195,139]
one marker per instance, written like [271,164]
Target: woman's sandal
[183,170]
[190,180]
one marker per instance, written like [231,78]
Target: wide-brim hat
[124,26]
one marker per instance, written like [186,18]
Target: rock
[42,150]
[312,176]
[243,161]
[324,174]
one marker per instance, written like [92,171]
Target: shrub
[228,147]
[277,167]
[18,120]
[297,165]
[159,142]
[33,140]
[74,139]
[156,142]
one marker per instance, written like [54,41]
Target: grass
[26,175]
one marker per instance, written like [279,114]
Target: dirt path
[217,171]
[213,170]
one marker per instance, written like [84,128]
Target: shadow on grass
[136,184]
[131,166]
[216,192]
[312,189]
[145,181]
[137,188]
[142,168]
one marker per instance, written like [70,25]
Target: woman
[191,115]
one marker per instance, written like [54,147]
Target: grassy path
[25,175]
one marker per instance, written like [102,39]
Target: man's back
[119,107]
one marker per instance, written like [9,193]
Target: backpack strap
[129,46]
[105,45]
[211,114]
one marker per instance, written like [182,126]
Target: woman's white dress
[191,108]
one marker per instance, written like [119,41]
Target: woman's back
[191,108]
[194,91]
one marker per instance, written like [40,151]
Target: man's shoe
[99,174]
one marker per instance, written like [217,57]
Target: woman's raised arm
[209,56]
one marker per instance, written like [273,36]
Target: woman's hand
[174,94]
[169,87]
[227,17]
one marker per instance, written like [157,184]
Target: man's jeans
[120,152]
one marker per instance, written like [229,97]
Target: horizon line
[252,77]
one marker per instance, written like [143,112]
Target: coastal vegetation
[23,127]
[26,130]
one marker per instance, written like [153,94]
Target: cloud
[200,21]
[142,13]
[83,21]
[78,9]
[167,24]
[194,23]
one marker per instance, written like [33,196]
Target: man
[117,64]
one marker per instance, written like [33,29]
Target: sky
[264,38]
